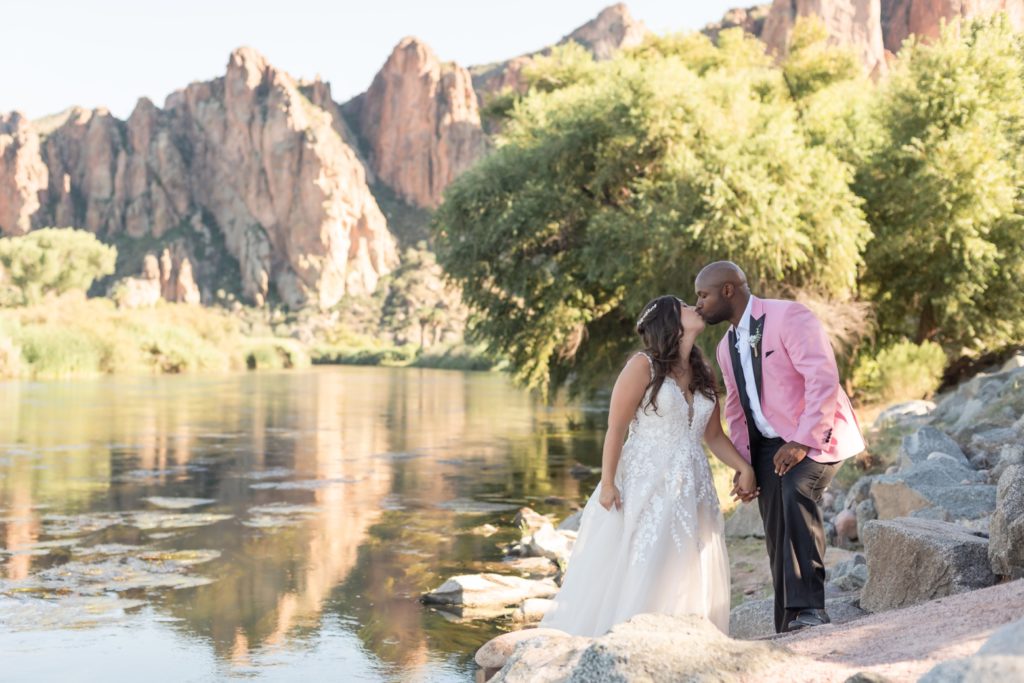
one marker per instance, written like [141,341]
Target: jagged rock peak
[611,30]
[420,122]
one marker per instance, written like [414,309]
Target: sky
[109,53]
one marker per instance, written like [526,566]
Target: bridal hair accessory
[643,316]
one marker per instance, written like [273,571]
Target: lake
[265,526]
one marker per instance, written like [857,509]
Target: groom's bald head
[722,292]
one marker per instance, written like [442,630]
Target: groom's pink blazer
[801,396]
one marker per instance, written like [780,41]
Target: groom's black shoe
[806,618]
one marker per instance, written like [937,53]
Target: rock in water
[489,590]
[915,560]
[1006,530]
[572,522]
[552,544]
[532,610]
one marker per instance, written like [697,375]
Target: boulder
[547,659]
[1006,530]
[925,441]
[849,575]
[552,544]
[756,618]
[859,492]
[1009,455]
[915,560]
[531,567]
[529,520]
[846,525]
[532,610]
[572,522]
[495,652]
[745,522]
[489,590]
[902,411]
[865,513]
[1000,658]
[938,481]
[653,647]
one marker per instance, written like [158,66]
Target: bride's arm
[626,396]
[724,450]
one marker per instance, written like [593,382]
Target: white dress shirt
[747,363]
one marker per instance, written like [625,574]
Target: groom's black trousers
[793,527]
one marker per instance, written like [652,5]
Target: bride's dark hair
[661,328]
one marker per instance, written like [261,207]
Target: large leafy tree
[943,193]
[54,260]
[620,184]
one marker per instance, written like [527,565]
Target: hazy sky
[56,53]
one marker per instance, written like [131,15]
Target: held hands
[744,485]
[610,496]
[789,456]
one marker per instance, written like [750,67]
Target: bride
[651,535]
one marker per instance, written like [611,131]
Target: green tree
[943,193]
[54,260]
[613,189]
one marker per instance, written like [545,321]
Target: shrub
[902,371]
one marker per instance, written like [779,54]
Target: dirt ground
[751,576]
[904,644]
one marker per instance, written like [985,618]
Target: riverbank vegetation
[897,204]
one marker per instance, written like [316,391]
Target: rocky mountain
[418,156]
[245,166]
[265,186]
[874,29]
[611,30]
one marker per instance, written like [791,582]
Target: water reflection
[341,495]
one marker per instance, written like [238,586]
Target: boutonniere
[755,341]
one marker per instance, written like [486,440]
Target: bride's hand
[745,485]
[693,324]
[610,496]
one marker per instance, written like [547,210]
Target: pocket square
[768,353]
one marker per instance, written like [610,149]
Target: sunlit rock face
[420,121]
[246,164]
[855,24]
[924,18]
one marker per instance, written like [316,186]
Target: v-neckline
[691,409]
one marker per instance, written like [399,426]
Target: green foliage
[812,64]
[275,354]
[613,189]
[943,193]
[54,260]
[419,306]
[899,372]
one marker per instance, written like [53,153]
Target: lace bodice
[663,464]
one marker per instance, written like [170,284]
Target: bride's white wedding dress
[664,551]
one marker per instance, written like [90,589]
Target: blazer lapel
[737,371]
[757,333]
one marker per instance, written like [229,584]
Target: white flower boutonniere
[755,341]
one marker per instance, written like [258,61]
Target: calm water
[264,526]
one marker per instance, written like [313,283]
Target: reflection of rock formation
[422,437]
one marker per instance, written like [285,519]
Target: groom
[790,418]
